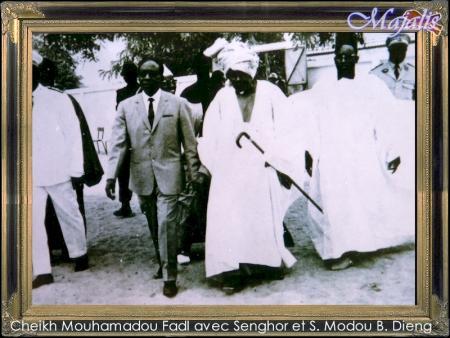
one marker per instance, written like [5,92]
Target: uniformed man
[399,75]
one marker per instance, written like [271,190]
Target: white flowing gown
[355,128]
[246,201]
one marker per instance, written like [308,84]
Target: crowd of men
[224,160]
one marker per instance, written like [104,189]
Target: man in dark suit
[155,125]
[129,74]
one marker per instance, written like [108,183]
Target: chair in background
[99,140]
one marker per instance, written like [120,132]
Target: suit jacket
[155,152]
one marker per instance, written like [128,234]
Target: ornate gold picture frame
[20,20]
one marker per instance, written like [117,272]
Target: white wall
[99,107]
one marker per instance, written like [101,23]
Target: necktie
[151,112]
[397,70]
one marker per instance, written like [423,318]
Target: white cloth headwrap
[215,48]
[239,56]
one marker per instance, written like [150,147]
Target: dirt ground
[122,262]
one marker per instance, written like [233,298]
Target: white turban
[215,48]
[37,58]
[239,56]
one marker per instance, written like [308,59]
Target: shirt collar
[392,65]
[155,97]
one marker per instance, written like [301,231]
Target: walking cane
[244,134]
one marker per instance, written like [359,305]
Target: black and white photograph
[214,168]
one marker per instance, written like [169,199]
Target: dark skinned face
[150,77]
[397,53]
[169,84]
[345,59]
[242,82]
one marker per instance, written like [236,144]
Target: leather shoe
[158,274]
[231,285]
[124,211]
[42,280]
[170,289]
[341,264]
[338,264]
[81,263]
[229,289]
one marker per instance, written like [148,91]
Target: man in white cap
[399,75]
[57,165]
[245,213]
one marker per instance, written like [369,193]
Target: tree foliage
[66,50]
[176,50]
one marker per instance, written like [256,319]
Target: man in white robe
[362,143]
[245,209]
[57,166]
